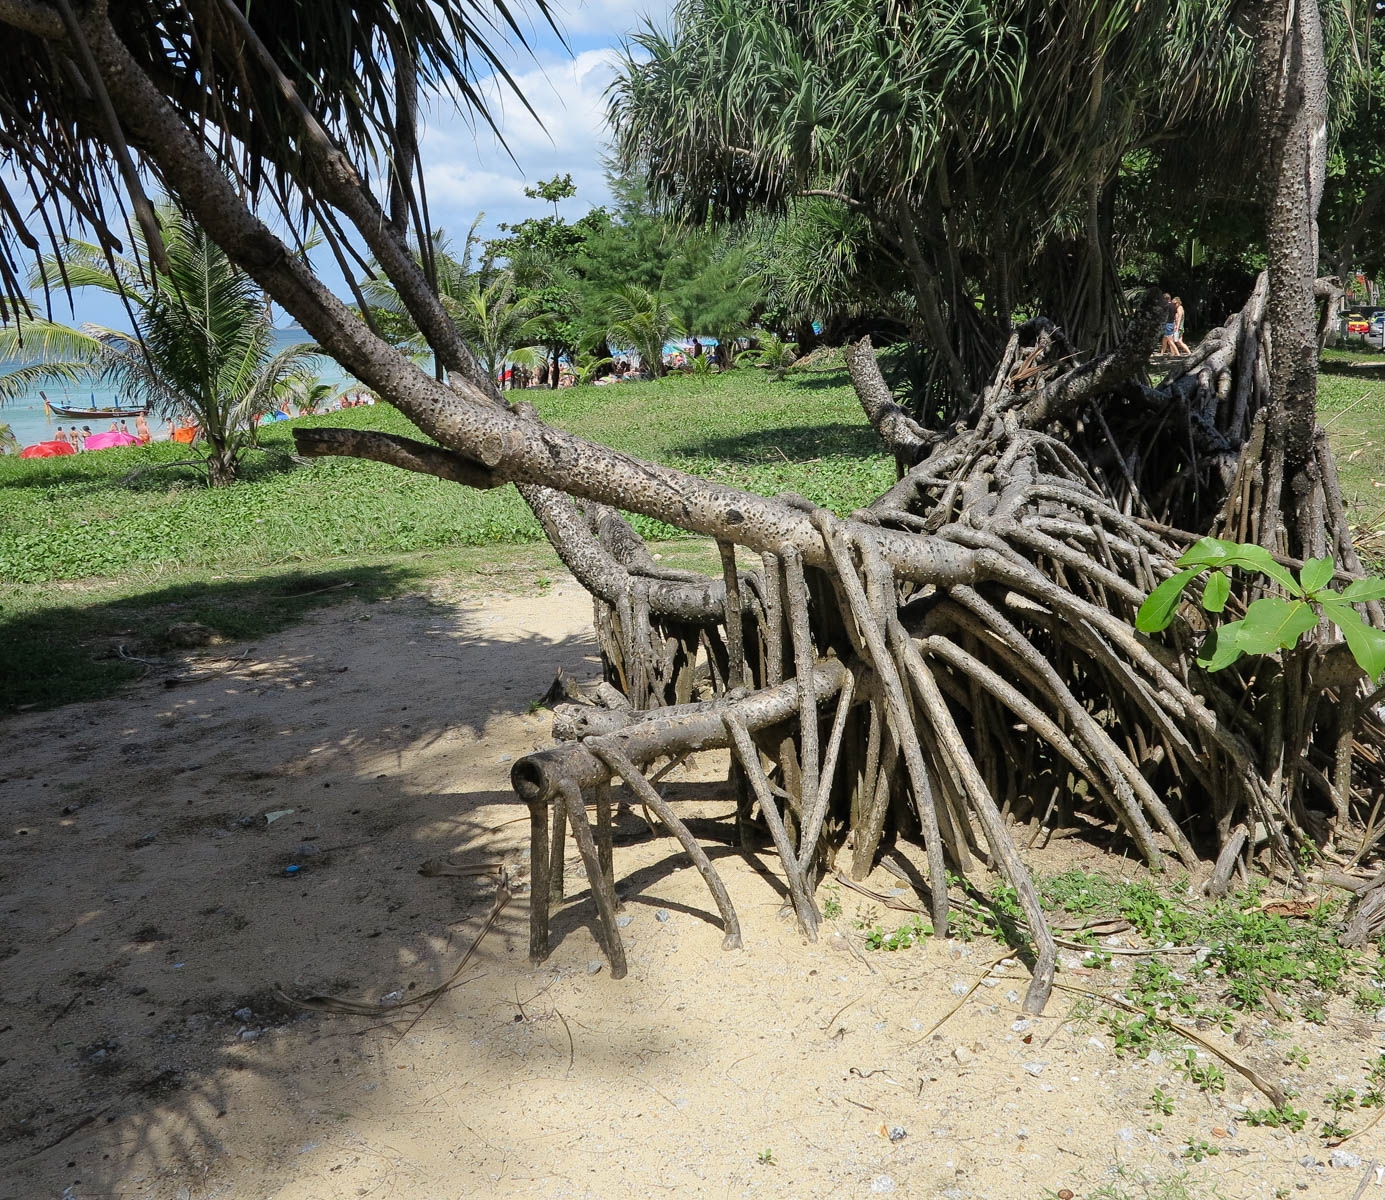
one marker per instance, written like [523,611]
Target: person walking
[1178,314]
[1167,346]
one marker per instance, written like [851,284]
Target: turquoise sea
[30,424]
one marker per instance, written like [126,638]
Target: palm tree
[498,327]
[308,394]
[775,355]
[455,276]
[641,319]
[202,351]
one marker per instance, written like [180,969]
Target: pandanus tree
[957,656]
[203,348]
[975,150]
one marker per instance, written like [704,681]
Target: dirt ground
[151,908]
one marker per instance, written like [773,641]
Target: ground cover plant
[1179,970]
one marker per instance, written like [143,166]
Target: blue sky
[466,169]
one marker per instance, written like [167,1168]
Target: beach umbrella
[47,450]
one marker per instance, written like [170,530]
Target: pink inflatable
[103,441]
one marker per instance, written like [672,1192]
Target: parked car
[1357,325]
[1375,335]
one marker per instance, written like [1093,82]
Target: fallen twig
[967,995]
[331,587]
[571,1048]
[230,666]
[1271,1090]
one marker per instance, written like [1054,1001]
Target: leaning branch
[904,436]
[407,453]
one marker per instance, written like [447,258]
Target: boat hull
[67,410]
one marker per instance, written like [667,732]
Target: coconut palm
[642,319]
[202,352]
[307,395]
[497,326]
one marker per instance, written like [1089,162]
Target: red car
[1357,325]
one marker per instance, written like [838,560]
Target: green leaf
[1317,573]
[1364,589]
[1207,552]
[1215,594]
[1156,612]
[1214,552]
[1272,623]
[1221,647]
[1367,644]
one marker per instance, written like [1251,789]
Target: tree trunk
[1291,81]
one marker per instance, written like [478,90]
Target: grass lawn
[1351,406]
[73,518]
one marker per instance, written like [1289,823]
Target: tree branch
[1071,391]
[33,18]
[406,453]
[899,431]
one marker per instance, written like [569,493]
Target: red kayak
[47,450]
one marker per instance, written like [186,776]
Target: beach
[31,424]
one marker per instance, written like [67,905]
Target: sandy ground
[149,916]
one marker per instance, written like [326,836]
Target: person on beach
[123,427]
[142,429]
[86,433]
[61,436]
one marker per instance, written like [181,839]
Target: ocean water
[31,424]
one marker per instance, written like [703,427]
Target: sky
[466,168]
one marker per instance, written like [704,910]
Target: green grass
[1351,406]
[73,518]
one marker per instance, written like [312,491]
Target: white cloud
[608,18]
[467,168]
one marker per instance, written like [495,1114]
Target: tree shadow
[56,654]
[174,856]
[790,443]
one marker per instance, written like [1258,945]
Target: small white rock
[882,1183]
[1344,1159]
[958,989]
[962,1055]
[1021,1026]
[1035,1068]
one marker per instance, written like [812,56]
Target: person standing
[1167,347]
[86,433]
[142,429]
